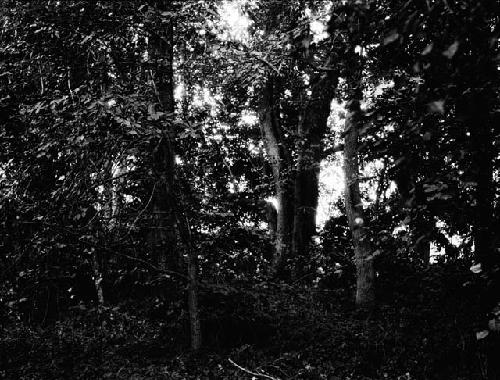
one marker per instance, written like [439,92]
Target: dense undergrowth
[424,328]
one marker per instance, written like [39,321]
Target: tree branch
[266,62]
[334,149]
[258,374]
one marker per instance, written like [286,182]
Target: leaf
[452,49]
[437,107]
[393,36]
[428,49]
[482,334]
[476,268]
[494,324]
[429,188]
[399,161]
[86,39]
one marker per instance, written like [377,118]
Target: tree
[280,162]
[363,252]
[311,131]
[167,215]
[161,56]
[293,127]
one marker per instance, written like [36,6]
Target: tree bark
[363,255]
[414,204]
[168,215]
[483,154]
[280,162]
[478,100]
[98,276]
[311,130]
[192,272]
[162,236]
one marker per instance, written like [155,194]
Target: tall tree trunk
[161,50]
[421,224]
[363,255]
[414,204]
[421,227]
[381,187]
[192,272]
[476,109]
[311,130]
[167,213]
[483,155]
[98,276]
[280,164]
[115,202]
[479,98]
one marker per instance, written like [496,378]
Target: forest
[250,189]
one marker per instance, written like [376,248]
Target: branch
[335,149]
[105,249]
[240,48]
[259,374]
[326,67]
[266,62]
[152,266]
[144,209]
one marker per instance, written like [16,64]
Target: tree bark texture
[280,162]
[482,157]
[168,215]
[363,255]
[414,203]
[311,130]
[162,236]
[192,272]
[98,276]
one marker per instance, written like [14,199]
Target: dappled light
[249,189]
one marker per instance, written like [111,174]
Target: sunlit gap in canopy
[318,21]
[235,23]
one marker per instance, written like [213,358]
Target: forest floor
[264,331]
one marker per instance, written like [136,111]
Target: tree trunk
[167,214]
[280,164]
[421,228]
[117,188]
[381,187]
[483,231]
[414,204]
[311,130]
[162,236]
[98,276]
[478,100]
[363,255]
[192,271]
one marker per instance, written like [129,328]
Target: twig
[144,209]
[152,266]
[96,245]
[323,69]
[259,374]
[334,149]
[266,62]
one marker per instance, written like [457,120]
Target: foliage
[81,133]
